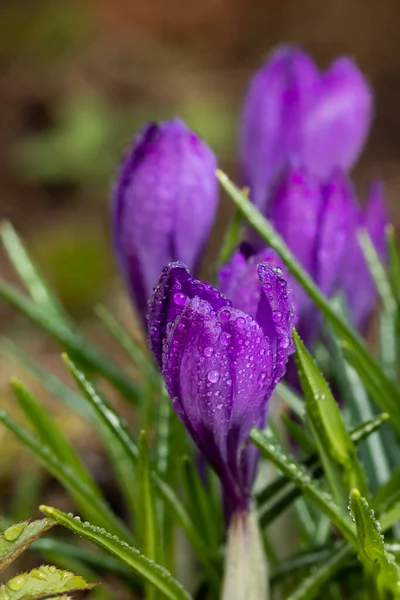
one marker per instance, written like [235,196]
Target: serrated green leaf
[335,447]
[303,480]
[91,505]
[50,435]
[131,556]
[16,538]
[42,582]
[384,391]
[372,552]
[147,507]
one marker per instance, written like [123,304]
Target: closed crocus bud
[293,113]
[221,366]
[316,221]
[164,205]
[356,279]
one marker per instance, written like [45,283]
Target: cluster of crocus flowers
[223,351]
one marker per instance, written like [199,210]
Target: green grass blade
[394,262]
[70,340]
[378,272]
[147,507]
[51,436]
[291,399]
[16,538]
[42,582]
[335,447]
[384,389]
[231,239]
[92,506]
[302,479]
[372,552]
[299,434]
[147,569]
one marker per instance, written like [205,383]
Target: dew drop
[213,376]
[225,315]
[17,583]
[208,351]
[277,316]
[38,574]
[181,326]
[180,298]
[13,532]
[225,338]
[267,287]
[284,342]
[278,271]
[261,378]
[240,322]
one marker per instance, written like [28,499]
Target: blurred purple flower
[221,366]
[164,205]
[320,224]
[293,113]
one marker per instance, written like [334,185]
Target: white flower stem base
[246,568]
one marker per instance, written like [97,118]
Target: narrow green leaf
[199,505]
[383,389]
[231,239]
[42,582]
[51,436]
[94,507]
[70,340]
[389,492]
[290,491]
[147,507]
[16,538]
[302,479]
[138,355]
[308,558]
[147,569]
[291,399]
[312,585]
[299,434]
[335,447]
[394,262]
[28,271]
[378,272]
[372,552]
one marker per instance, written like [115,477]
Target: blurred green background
[77,80]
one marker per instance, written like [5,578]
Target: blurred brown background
[78,78]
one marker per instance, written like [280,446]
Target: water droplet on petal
[180,298]
[278,271]
[213,376]
[225,338]
[284,342]
[225,315]
[208,351]
[240,322]
[277,316]
[267,287]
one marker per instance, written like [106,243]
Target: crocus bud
[293,113]
[220,367]
[320,225]
[164,205]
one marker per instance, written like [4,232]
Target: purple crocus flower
[164,205]
[220,366]
[320,224]
[293,113]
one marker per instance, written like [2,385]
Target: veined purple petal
[164,206]
[356,279]
[335,129]
[239,280]
[278,98]
[175,288]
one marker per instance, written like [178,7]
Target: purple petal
[175,288]
[279,95]
[218,370]
[334,131]
[164,206]
[239,280]
[357,280]
[275,316]
[338,222]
